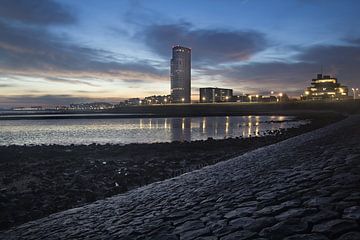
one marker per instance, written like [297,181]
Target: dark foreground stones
[306,187]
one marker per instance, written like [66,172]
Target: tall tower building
[180,75]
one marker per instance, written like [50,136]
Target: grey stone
[207,238]
[285,228]
[189,235]
[189,225]
[253,224]
[291,213]
[350,236]
[240,212]
[307,237]
[241,235]
[321,216]
[352,213]
[335,227]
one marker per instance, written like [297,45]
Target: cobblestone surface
[307,187]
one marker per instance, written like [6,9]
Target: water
[137,130]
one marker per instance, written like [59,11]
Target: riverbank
[41,180]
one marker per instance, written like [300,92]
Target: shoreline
[41,180]
[197,110]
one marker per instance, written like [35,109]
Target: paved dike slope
[306,187]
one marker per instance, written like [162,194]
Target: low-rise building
[157,99]
[325,88]
[211,95]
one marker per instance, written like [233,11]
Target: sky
[57,52]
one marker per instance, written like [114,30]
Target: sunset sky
[66,51]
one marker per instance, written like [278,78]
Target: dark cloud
[341,61]
[39,12]
[209,45]
[34,50]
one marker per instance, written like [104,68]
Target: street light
[354,92]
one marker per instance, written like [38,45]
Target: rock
[241,235]
[307,237]
[320,216]
[283,229]
[189,235]
[335,227]
[188,226]
[318,202]
[349,236]
[352,213]
[207,238]
[291,213]
[253,224]
[240,212]
[273,210]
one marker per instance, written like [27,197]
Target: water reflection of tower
[216,127]
[180,129]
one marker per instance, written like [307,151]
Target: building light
[203,98]
[183,99]
[280,94]
[307,92]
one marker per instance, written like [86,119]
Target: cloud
[71,81]
[35,51]
[39,12]
[209,45]
[342,61]
[133,81]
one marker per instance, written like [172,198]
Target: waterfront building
[91,106]
[180,75]
[211,95]
[260,98]
[157,99]
[132,101]
[325,88]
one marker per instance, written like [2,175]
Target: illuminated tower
[180,75]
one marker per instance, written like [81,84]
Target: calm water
[137,130]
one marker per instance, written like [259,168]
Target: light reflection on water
[137,130]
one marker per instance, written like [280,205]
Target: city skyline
[62,52]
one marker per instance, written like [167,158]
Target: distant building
[132,101]
[157,99]
[180,75]
[91,106]
[269,99]
[211,95]
[325,88]
[260,98]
